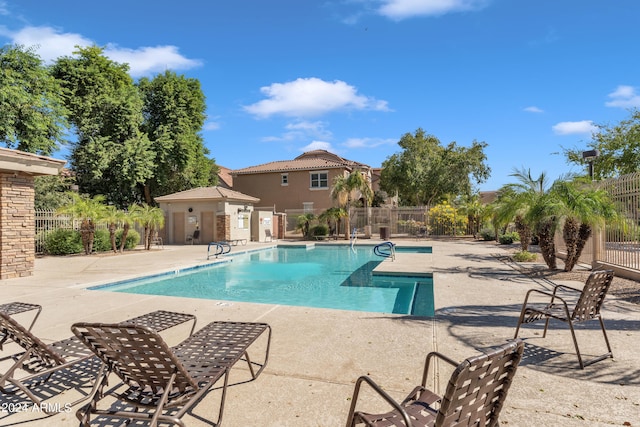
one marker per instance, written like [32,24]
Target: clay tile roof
[208,193]
[311,160]
[225,180]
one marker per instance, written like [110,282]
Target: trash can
[384,233]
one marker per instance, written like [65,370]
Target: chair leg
[546,326]
[575,344]
[606,339]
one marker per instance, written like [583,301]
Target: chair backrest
[137,354]
[592,297]
[478,387]
[25,339]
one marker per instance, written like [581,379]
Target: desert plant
[132,239]
[319,230]
[524,256]
[63,242]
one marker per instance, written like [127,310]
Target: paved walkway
[317,354]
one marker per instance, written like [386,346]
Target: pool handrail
[221,249]
[386,250]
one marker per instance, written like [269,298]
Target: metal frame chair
[474,396]
[163,383]
[587,307]
[40,361]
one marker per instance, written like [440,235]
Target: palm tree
[304,223]
[516,201]
[334,214]
[582,207]
[112,218]
[149,217]
[348,188]
[89,211]
[127,219]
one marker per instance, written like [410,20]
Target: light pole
[590,156]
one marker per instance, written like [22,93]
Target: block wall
[17,225]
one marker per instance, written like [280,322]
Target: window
[284,179]
[307,207]
[319,180]
[243,221]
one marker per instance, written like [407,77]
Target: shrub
[445,220]
[101,241]
[509,238]
[133,239]
[319,230]
[524,256]
[63,242]
[488,234]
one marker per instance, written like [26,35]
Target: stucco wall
[269,189]
[17,225]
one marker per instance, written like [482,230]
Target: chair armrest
[549,294]
[427,363]
[567,288]
[381,393]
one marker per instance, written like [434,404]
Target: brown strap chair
[474,397]
[161,381]
[588,305]
[39,361]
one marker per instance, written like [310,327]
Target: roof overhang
[13,161]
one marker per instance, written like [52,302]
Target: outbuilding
[212,214]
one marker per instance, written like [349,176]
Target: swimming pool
[338,277]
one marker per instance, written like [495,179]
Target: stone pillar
[17,225]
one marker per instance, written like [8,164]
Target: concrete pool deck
[317,354]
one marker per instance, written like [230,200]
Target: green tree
[582,207]
[127,219]
[425,172]
[348,188]
[174,112]
[303,223]
[333,215]
[111,156]
[619,147]
[89,211]
[150,218]
[515,201]
[52,191]
[33,114]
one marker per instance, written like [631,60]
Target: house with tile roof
[218,213]
[303,183]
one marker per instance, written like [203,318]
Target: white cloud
[309,97]
[368,142]
[318,145]
[151,60]
[48,42]
[624,97]
[570,128]
[51,44]
[533,109]
[4,10]
[211,125]
[401,9]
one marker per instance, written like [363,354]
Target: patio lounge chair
[588,305]
[13,308]
[474,397]
[165,381]
[40,361]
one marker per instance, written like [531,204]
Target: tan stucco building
[220,214]
[17,213]
[302,183]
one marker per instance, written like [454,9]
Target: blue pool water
[326,277]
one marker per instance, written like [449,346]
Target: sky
[282,77]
